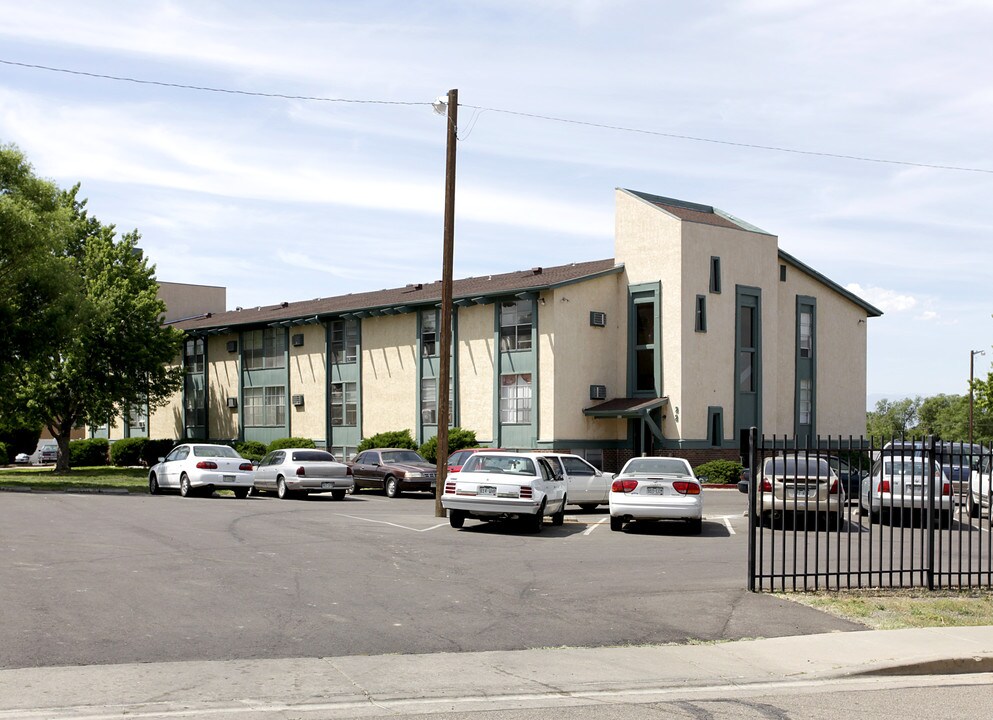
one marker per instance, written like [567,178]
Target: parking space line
[594,526]
[396,525]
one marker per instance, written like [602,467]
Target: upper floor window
[264,406]
[344,403]
[515,398]
[644,348]
[715,274]
[344,340]
[516,318]
[805,401]
[429,333]
[701,314]
[264,349]
[806,334]
[193,357]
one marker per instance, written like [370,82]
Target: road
[117,579]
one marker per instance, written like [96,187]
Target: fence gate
[845,513]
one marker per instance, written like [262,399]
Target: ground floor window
[264,406]
[515,399]
[344,403]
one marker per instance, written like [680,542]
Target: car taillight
[301,471]
[766,486]
[246,467]
[623,486]
[946,489]
[884,486]
[450,488]
[206,465]
[527,492]
[348,469]
[686,488]
[835,488]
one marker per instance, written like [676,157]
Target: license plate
[800,492]
[227,478]
[655,491]
[486,490]
[326,485]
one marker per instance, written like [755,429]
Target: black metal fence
[846,513]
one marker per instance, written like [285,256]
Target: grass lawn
[892,610]
[85,478]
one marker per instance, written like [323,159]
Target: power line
[479,110]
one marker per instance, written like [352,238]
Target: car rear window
[312,456]
[797,467]
[904,468]
[214,451]
[508,464]
[656,466]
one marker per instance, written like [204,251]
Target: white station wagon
[504,485]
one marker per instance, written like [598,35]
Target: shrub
[457,439]
[290,442]
[128,451]
[721,472]
[4,457]
[391,439]
[91,452]
[250,447]
[154,449]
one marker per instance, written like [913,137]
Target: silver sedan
[296,472]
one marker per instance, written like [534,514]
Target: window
[715,274]
[429,333]
[264,406]
[806,334]
[193,355]
[645,346]
[344,341]
[746,353]
[701,313]
[344,403]
[805,401]
[429,401]
[196,402]
[515,399]
[716,426]
[577,467]
[515,325]
[782,273]
[264,349]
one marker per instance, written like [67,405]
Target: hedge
[291,442]
[127,452]
[458,438]
[391,439]
[721,472]
[89,453]
[154,449]
[4,457]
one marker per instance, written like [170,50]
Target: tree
[945,416]
[118,353]
[38,295]
[893,418]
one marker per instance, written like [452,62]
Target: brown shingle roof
[697,216]
[410,295]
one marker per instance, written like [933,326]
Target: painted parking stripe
[396,525]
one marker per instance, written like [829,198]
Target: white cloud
[889,301]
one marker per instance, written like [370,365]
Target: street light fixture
[972,374]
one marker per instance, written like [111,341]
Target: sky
[560,102]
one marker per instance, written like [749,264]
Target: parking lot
[104,579]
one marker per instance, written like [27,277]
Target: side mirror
[161,459]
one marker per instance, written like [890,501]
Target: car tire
[616,523]
[559,517]
[696,526]
[456,518]
[282,492]
[588,507]
[975,510]
[242,493]
[338,494]
[391,486]
[153,485]
[537,521]
[185,488]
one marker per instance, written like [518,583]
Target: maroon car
[393,470]
[457,459]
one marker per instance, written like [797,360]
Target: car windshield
[508,464]
[905,467]
[402,456]
[655,466]
[214,451]
[797,467]
[312,456]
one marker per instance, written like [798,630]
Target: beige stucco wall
[184,300]
[167,421]
[222,383]
[475,370]
[839,357]
[308,377]
[389,374]
[573,355]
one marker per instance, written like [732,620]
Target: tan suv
[800,484]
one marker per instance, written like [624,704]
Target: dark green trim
[741,292]
[637,294]
[805,368]
[870,310]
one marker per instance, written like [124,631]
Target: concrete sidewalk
[370,686]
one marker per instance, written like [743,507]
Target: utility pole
[445,356]
[972,367]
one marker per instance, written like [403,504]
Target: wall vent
[297,340]
[598,319]
[297,400]
[598,392]
[232,346]
[232,403]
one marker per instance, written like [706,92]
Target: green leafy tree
[893,418]
[118,353]
[945,416]
[458,438]
[38,295]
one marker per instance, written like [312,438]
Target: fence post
[929,482]
[753,479]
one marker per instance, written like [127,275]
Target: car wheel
[338,494]
[153,485]
[588,507]
[456,518]
[616,523]
[242,493]
[974,507]
[537,521]
[559,517]
[862,510]
[392,487]
[185,489]
[281,492]
[696,526]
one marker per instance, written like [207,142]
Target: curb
[69,491]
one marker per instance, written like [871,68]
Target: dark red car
[392,470]
[457,459]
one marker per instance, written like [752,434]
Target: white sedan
[503,485]
[656,488]
[192,468]
[295,472]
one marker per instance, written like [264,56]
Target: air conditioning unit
[232,346]
[598,319]
[232,403]
[297,400]
[598,392]
[297,340]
